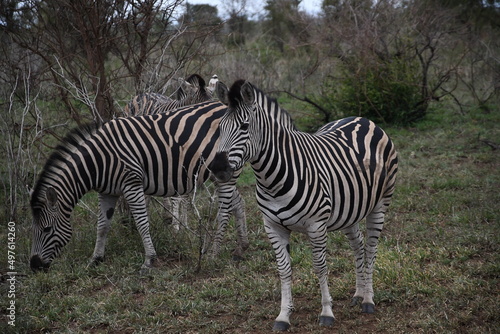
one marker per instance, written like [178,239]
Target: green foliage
[385,92]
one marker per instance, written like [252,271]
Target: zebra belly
[173,185]
[293,219]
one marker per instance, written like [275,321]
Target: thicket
[64,63]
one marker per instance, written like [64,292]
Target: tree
[282,21]
[74,61]
[92,47]
[201,14]
[393,58]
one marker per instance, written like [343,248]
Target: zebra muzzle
[37,264]
[221,168]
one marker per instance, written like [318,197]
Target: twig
[491,144]
[306,99]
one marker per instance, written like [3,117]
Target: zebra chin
[221,168]
[37,264]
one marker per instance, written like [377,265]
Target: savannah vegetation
[428,72]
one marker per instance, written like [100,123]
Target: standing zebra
[310,183]
[162,155]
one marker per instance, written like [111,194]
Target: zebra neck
[72,179]
[276,155]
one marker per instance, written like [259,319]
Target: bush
[385,92]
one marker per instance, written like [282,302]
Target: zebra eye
[244,126]
[47,229]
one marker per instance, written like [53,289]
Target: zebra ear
[247,93]
[180,93]
[51,196]
[222,92]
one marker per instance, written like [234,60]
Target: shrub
[386,92]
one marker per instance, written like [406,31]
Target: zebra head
[193,90]
[51,228]
[238,137]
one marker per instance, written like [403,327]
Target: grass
[437,270]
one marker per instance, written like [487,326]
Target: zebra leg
[137,204]
[182,208]
[356,241]
[176,219]
[318,238]
[224,197]
[167,203]
[238,204]
[238,209]
[177,205]
[107,205]
[374,225]
[280,238]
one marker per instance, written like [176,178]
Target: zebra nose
[220,167]
[37,264]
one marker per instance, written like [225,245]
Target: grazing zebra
[162,155]
[310,183]
[194,91]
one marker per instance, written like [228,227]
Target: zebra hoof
[368,308]
[281,326]
[238,258]
[146,271]
[95,261]
[326,321]
[356,301]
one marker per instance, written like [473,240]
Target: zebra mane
[268,103]
[234,93]
[72,140]
[195,79]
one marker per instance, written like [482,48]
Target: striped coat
[310,183]
[161,155]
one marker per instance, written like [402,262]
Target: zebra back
[191,91]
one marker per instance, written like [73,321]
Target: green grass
[437,270]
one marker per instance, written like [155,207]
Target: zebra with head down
[310,183]
[161,155]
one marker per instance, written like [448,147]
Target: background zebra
[191,91]
[310,183]
[162,155]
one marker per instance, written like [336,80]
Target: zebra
[193,90]
[310,183]
[162,155]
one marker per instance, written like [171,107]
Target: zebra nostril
[220,167]
[37,264]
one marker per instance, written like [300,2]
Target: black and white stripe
[191,91]
[161,155]
[310,183]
